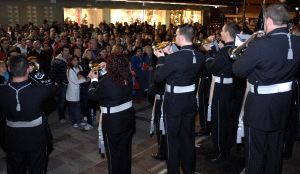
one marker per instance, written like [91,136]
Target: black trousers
[26,162]
[180,143]
[118,151]
[62,89]
[263,151]
[222,126]
[292,133]
[161,139]
[222,118]
[203,97]
[2,131]
[237,104]
[88,107]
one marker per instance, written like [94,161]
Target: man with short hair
[270,69]
[25,134]
[180,71]
[221,94]
[59,76]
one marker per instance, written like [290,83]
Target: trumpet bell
[204,42]
[161,45]
[32,61]
[95,66]
[234,53]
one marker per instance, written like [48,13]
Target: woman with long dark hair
[73,89]
[114,93]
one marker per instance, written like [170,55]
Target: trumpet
[161,45]
[203,42]
[32,61]
[235,52]
[96,67]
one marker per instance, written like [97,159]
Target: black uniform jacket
[265,62]
[178,69]
[31,100]
[110,94]
[221,65]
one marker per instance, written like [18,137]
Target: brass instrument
[235,52]
[32,61]
[95,66]
[161,45]
[203,42]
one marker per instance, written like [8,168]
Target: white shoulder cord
[18,107]
[194,56]
[290,55]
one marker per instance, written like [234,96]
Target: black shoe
[158,156]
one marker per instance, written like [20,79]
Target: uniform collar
[19,83]
[279,30]
[187,47]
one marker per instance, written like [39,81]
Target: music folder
[240,39]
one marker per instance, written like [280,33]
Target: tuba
[236,52]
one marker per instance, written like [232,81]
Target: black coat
[110,94]
[178,69]
[31,100]
[265,62]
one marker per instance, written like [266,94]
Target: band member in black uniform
[293,123]
[180,70]
[38,77]
[203,89]
[157,121]
[25,128]
[3,81]
[270,69]
[221,94]
[114,93]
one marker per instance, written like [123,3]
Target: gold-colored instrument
[235,52]
[204,42]
[32,61]
[96,67]
[161,45]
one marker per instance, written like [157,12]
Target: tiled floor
[76,152]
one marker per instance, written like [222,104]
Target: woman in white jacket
[73,89]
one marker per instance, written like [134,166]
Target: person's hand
[211,38]
[102,65]
[93,74]
[168,49]
[79,76]
[158,53]
[220,45]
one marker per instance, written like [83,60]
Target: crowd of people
[112,66]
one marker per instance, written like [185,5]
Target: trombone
[236,52]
